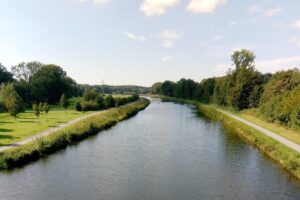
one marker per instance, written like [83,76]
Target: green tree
[109,101]
[243,59]
[64,102]
[156,88]
[24,71]
[36,110]
[78,107]
[41,106]
[49,82]
[14,104]
[5,76]
[46,108]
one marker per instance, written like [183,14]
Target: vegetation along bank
[71,134]
[288,158]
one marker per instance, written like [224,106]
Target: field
[27,124]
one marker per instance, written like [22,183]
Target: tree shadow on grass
[5,122]
[24,121]
[5,130]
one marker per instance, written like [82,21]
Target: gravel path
[269,133]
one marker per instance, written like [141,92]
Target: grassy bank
[287,157]
[74,133]
[27,124]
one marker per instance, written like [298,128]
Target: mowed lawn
[27,124]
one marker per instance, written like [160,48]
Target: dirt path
[46,132]
[269,133]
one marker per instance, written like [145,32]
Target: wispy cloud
[232,23]
[204,6]
[168,38]
[265,66]
[296,24]
[157,7]
[134,37]
[166,59]
[97,2]
[268,12]
[273,65]
[295,40]
[273,11]
[218,37]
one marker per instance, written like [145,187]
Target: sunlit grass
[290,134]
[27,124]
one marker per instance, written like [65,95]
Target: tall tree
[24,71]
[64,101]
[48,83]
[243,58]
[14,104]
[5,76]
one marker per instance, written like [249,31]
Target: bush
[89,106]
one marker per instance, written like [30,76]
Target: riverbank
[71,134]
[287,157]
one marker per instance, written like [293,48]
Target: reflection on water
[165,152]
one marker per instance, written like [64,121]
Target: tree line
[34,84]
[275,97]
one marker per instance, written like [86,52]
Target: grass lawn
[27,124]
[290,134]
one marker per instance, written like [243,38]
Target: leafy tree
[14,104]
[243,59]
[6,90]
[78,107]
[46,108]
[36,110]
[5,76]
[156,88]
[41,106]
[167,88]
[24,71]
[64,102]
[91,95]
[109,101]
[48,83]
[279,83]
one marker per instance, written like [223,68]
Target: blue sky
[144,41]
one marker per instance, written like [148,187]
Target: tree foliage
[5,76]
[277,96]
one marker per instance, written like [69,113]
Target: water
[165,152]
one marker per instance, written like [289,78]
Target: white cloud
[233,23]
[168,38]
[273,11]
[97,2]
[295,40]
[255,9]
[221,68]
[265,66]
[166,58]
[134,37]
[296,24]
[157,7]
[204,6]
[218,37]
[278,64]
[266,12]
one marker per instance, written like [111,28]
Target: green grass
[287,157]
[74,133]
[291,134]
[27,124]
